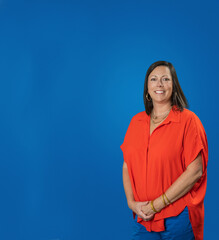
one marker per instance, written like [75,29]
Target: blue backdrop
[72,76]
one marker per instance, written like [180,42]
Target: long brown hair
[178,98]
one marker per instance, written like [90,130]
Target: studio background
[72,76]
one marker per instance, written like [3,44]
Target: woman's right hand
[136,207]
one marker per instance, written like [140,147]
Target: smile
[159,92]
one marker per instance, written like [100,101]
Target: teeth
[159,91]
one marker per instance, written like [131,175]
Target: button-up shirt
[156,160]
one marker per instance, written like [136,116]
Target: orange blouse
[155,161]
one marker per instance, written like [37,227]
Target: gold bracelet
[164,200]
[167,198]
[152,206]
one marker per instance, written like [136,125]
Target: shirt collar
[173,116]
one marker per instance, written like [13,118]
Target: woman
[165,154]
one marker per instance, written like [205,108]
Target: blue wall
[71,78]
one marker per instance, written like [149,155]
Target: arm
[180,187]
[132,204]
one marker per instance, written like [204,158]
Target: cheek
[169,87]
[151,85]
[170,92]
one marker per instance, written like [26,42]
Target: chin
[162,100]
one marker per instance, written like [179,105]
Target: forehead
[160,71]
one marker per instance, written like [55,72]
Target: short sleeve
[195,141]
[128,139]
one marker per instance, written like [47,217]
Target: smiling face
[160,85]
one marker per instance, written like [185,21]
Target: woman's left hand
[147,210]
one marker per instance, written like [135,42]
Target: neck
[159,108]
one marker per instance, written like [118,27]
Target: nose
[160,83]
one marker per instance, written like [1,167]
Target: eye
[153,79]
[166,79]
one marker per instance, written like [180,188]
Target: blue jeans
[176,228]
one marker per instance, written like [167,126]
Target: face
[160,85]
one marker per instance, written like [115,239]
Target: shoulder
[134,130]
[140,117]
[190,118]
[187,115]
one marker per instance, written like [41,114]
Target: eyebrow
[162,76]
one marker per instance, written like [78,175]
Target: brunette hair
[178,98]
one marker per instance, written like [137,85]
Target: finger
[146,202]
[142,215]
[149,217]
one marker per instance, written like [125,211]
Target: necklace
[158,116]
[154,116]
